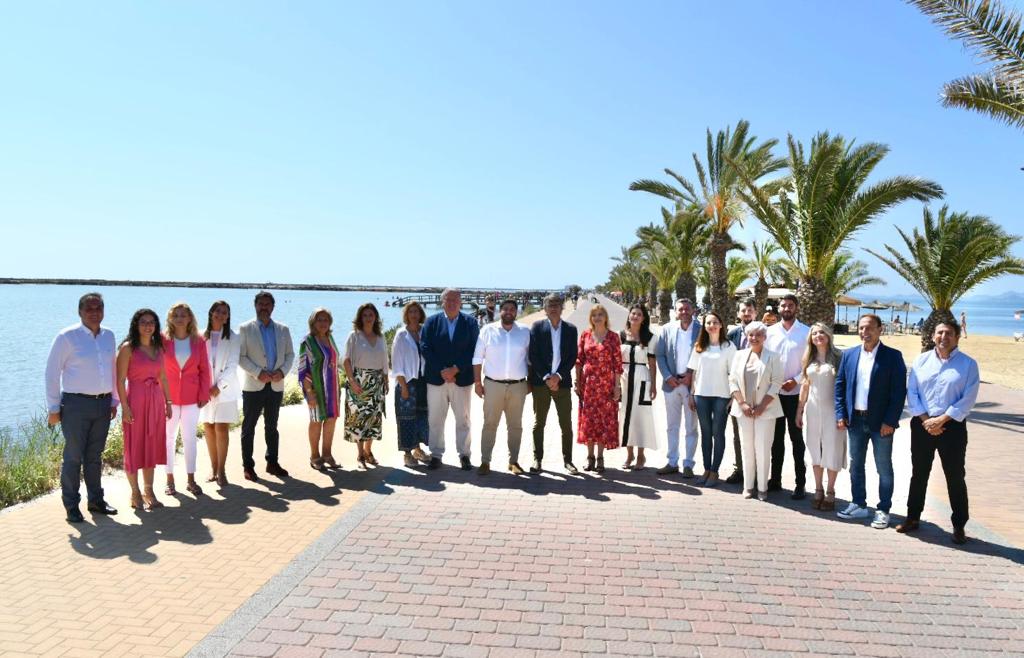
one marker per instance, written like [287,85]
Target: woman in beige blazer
[754,381]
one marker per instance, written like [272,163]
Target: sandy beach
[1000,359]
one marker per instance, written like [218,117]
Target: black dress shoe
[276,470]
[798,494]
[250,475]
[466,465]
[910,525]
[735,478]
[535,468]
[101,508]
[75,515]
[571,469]
[774,486]
[435,463]
[959,536]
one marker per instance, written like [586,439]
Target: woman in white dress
[636,413]
[222,348]
[817,414]
[755,377]
[710,362]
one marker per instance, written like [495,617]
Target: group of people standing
[772,381]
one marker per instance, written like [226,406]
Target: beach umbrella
[906,307]
[847,301]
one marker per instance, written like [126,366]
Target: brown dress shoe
[959,536]
[910,525]
[515,469]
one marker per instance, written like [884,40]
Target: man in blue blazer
[552,357]
[447,341]
[673,353]
[871,387]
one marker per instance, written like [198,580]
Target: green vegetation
[993,34]
[292,391]
[952,253]
[30,458]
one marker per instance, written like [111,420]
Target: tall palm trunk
[652,297]
[760,296]
[664,305]
[928,326]
[686,286]
[816,302]
[719,288]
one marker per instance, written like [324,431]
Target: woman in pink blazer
[188,378]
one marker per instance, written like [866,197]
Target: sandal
[640,463]
[212,478]
[829,503]
[371,460]
[361,462]
[590,464]
[194,489]
[169,490]
[599,465]
[329,462]
[150,501]
[222,480]
[819,498]
[137,502]
[316,463]
[629,464]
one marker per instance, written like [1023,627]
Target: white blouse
[711,370]
[405,356]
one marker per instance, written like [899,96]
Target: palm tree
[718,196]
[767,269]
[740,270]
[658,256]
[954,253]
[993,32]
[824,202]
[628,276]
[845,273]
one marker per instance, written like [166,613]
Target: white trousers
[187,417]
[678,415]
[756,436]
[439,400]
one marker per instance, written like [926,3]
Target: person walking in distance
[265,354]
[552,357]
[788,339]
[871,387]
[672,352]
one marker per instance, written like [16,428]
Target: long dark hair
[704,339]
[226,331]
[645,326]
[133,338]
[357,323]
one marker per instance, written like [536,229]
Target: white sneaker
[854,511]
[881,520]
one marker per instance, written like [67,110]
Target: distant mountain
[1009,297]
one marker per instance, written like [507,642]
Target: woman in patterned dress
[411,392]
[598,367]
[318,375]
[366,365]
[145,404]
[636,415]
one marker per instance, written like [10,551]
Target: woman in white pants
[754,380]
[188,378]
[222,346]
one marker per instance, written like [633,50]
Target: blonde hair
[312,318]
[410,307]
[597,308]
[832,355]
[193,326]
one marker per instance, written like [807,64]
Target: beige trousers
[439,400]
[508,399]
[756,436]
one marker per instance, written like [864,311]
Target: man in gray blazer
[673,353]
[265,354]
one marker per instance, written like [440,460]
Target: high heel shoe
[819,498]
[829,503]
[137,501]
[316,463]
[628,466]
[149,499]
[640,463]
[599,465]
[590,464]
[329,462]
[371,460]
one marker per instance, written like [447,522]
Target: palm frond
[997,98]
[993,32]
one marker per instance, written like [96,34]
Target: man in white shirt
[499,372]
[672,351]
[82,397]
[788,339]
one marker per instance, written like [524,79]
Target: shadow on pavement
[984,414]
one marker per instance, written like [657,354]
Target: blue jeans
[711,414]
[860,434]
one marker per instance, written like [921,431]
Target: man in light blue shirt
[941,391]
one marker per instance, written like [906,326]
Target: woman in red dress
[598,367]
[145,404]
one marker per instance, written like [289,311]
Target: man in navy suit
[871,386]
[447,342]
[552,357]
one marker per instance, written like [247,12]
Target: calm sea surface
[30,316]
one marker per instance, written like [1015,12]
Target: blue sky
[467,143]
